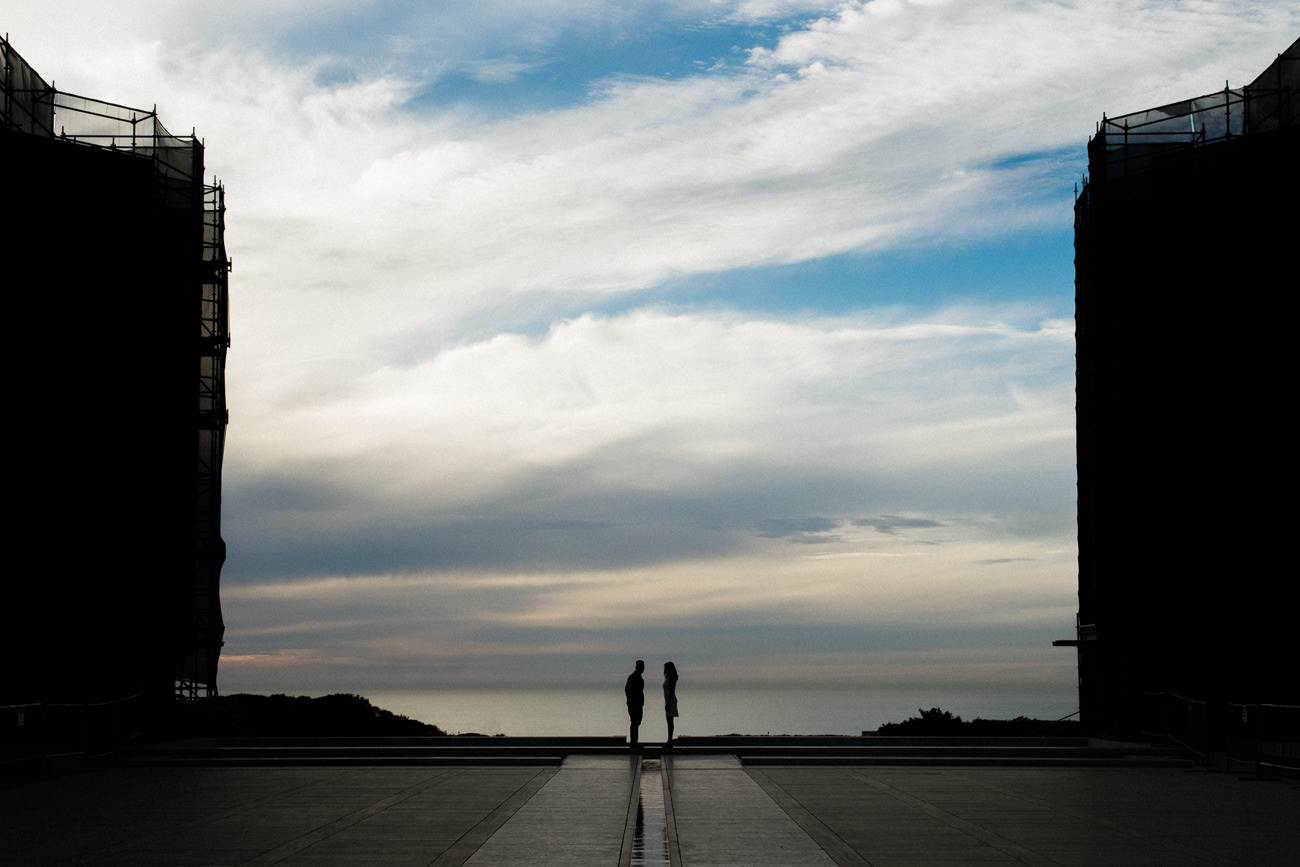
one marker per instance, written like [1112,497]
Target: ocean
[565,712]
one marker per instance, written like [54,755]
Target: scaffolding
[1181,256]
[1131,143]
[33,107]
[198,673]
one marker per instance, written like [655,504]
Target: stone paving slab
[258,816]
[722,818]
[907,817]
[578,819]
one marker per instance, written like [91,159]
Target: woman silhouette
[670,698]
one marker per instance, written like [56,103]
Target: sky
[733,332]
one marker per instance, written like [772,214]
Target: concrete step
[974,761]
[981,752]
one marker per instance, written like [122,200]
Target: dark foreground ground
[685,807]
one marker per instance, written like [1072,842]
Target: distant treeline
[942,723]
[339,715]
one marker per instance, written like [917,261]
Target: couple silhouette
[634,691]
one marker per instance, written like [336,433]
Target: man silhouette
[634,690]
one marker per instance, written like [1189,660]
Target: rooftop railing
[1130,143]
[30,104]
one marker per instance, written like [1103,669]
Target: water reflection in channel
[650,843]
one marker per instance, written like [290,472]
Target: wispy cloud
[891,524]
[810,531]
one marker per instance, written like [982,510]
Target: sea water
[566,712]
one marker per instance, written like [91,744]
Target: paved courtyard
[621,809]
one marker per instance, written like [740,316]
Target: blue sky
[736,332]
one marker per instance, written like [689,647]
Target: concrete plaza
[678,808]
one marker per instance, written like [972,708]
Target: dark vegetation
[942,723]
[339,715]
[347,715]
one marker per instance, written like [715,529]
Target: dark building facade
[1187,255]
[117,286]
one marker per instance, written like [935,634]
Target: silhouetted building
[1186,245]
[116,282]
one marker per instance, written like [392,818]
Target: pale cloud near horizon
[764,616]
[474,418]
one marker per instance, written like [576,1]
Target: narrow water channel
[650,843]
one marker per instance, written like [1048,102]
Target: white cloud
[357,210]
[722,387]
